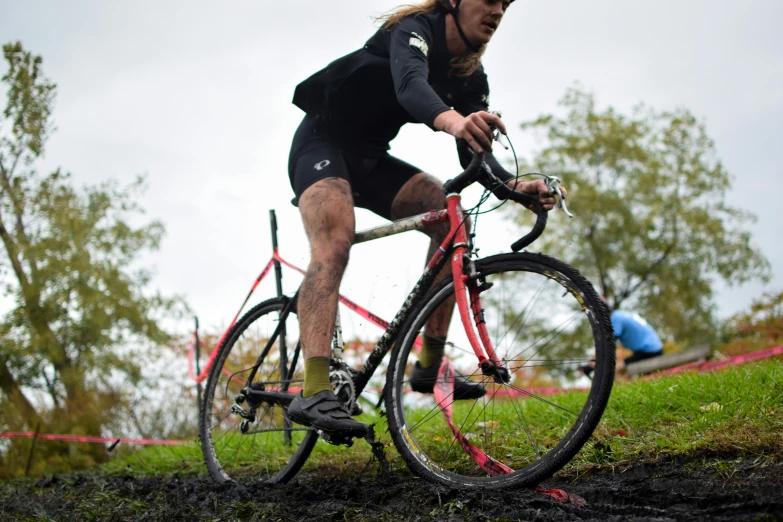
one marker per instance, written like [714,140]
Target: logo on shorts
[322,164]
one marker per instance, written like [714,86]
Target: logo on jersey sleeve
[419,42]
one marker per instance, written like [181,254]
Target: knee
[327,214]
[421,193]
[332,252]
[337,254]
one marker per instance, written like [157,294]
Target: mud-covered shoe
[323,411]
[423,381]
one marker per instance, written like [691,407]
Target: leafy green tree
[652,229]
[81,317]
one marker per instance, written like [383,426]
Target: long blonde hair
[460,66]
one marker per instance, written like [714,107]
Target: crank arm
[269,397]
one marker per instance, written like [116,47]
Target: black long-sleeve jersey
[400,76]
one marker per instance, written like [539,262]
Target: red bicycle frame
[464,283]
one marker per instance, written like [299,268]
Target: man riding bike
[422,66]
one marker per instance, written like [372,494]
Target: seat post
[338,347]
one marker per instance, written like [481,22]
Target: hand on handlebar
[538,186]
[477,128]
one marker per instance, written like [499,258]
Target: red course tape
[86,438]
[374,319]
[706,366]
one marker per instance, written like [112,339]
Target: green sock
[431,351]
[316,376]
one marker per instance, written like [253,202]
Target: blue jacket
[634,333]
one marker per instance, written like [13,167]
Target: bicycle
[513,436]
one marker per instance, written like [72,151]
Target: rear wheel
[545,322]
[269,448]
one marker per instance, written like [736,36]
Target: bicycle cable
[476,209]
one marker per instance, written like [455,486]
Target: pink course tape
[86,438]
[444,395]
[443,391]
[374,319]
[702,367]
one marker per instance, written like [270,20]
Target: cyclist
[422,66]
[635,334]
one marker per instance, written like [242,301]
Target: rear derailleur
[248,415]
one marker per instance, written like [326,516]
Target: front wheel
[545,321]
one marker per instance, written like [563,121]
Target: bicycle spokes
[444,395]
[536,321]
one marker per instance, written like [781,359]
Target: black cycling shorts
[640,356]
[375,182]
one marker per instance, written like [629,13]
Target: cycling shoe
[423,381]
[323,411]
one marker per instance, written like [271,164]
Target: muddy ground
[677,489]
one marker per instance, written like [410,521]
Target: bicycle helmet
[453,10]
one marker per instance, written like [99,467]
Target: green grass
[154,460]
[738,411]
[734,412]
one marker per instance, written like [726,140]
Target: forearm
[416,96]
[445,121]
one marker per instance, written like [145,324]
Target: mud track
[702,489]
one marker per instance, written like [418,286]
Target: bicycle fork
[469,283]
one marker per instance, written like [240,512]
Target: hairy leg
[328,217]
[422,193]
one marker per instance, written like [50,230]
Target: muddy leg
[327,214]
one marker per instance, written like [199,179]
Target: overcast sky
[197,95]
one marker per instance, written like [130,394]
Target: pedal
[346,438]
[336,439]
[356,409]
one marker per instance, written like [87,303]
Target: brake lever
[553,184]
[496,134]
[499,138]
